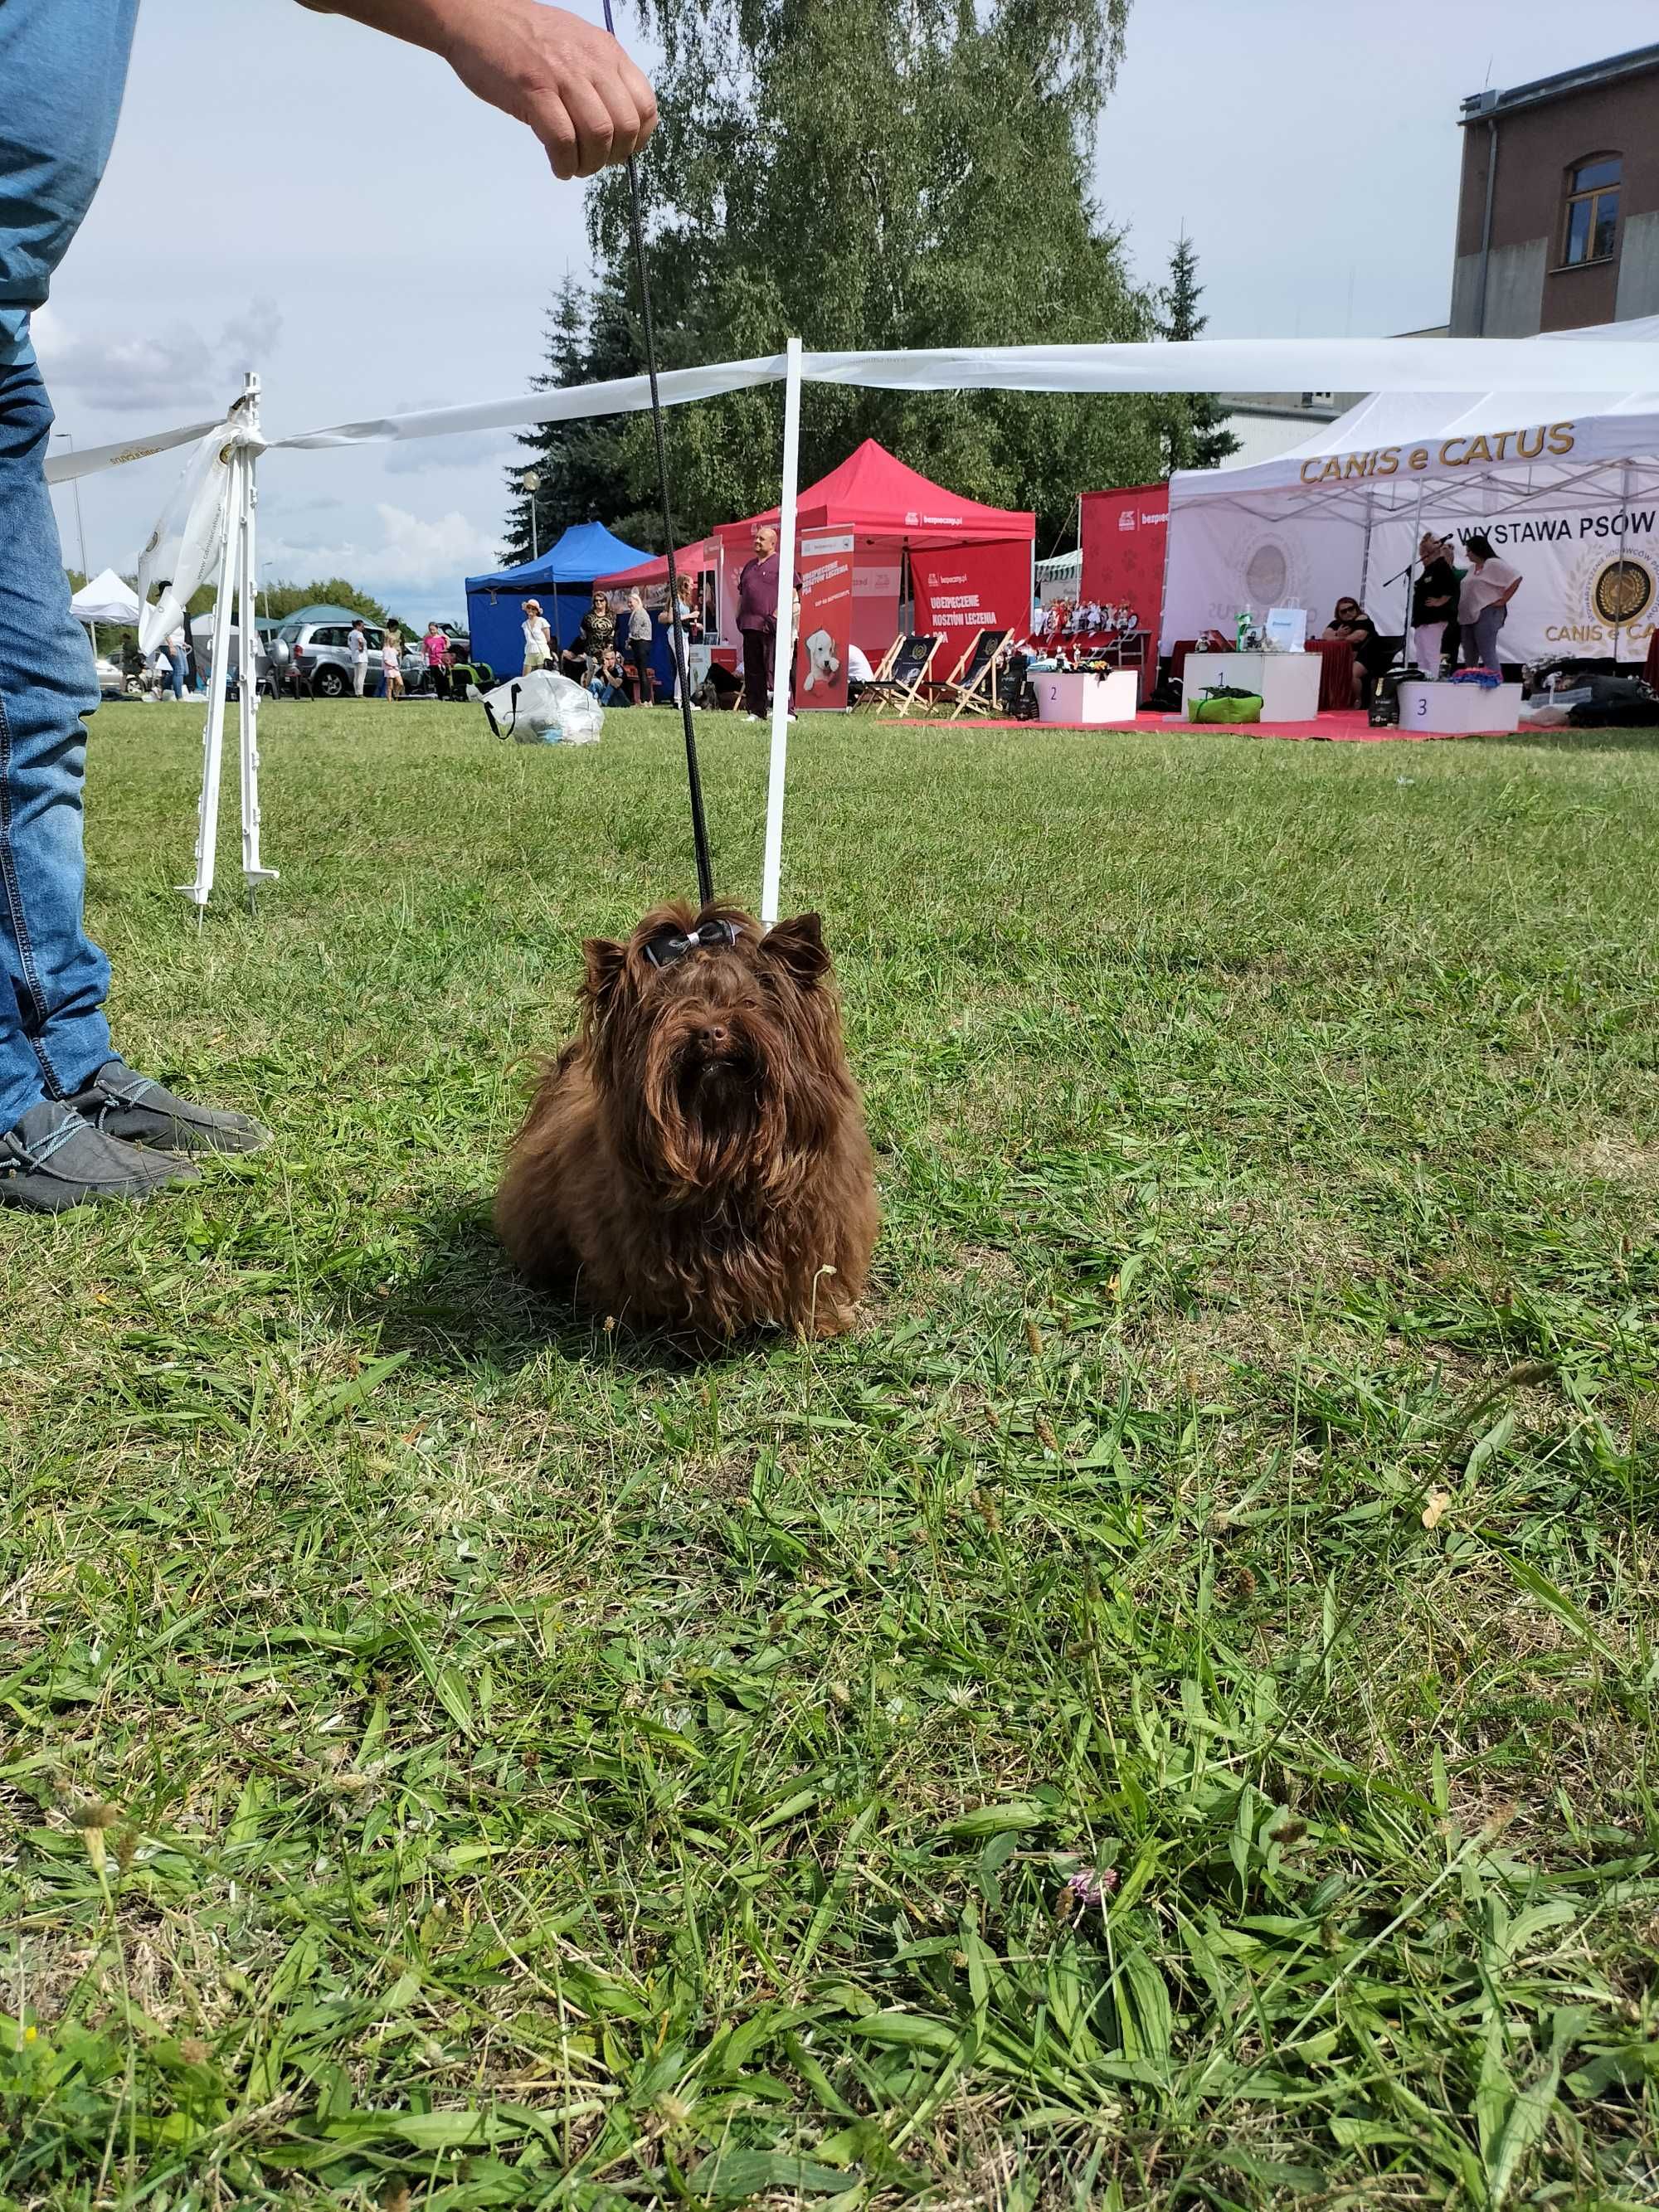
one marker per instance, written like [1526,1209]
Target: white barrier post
[247,669]
[213,736]
[784,659]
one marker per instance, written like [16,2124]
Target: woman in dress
[1371,656]
[599,630]
[537,637]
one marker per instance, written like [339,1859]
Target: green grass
[458,1754]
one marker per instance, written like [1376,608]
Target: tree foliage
[1195,435]
[278,601]
[858,173]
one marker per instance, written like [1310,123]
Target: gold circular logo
[1623,590]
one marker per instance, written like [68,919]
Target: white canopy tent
[106,598]
[1565,484]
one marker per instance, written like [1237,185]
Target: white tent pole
[1624,544]
[213,735]
[248,681]
[784,659]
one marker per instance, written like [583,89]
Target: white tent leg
[772,867]
[253,872]
[213,736]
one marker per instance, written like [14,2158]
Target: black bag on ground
[1616,702]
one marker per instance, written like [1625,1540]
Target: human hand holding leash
[569,80]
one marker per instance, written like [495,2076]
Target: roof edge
[1479,107]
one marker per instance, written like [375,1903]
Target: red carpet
[1327,728]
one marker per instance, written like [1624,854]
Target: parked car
[111,681]
[315,656]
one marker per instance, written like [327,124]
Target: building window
[1592,222]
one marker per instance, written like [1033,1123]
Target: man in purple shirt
[758,622]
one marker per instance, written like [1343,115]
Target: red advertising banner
[826,622]
[1124,536]
[972,588]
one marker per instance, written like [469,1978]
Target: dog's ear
[605,961]
[798,947]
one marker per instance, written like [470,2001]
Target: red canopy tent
[969,565]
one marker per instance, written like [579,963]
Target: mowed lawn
[1162,1716]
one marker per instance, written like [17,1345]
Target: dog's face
[717,1047]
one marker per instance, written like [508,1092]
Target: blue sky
[292,193]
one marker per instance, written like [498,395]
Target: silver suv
[316,657]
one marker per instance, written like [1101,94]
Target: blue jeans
[181,667]
[1480,637]
[53,1036]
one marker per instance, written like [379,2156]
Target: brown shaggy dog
[697,1156]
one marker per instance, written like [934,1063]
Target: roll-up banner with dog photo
[826,621]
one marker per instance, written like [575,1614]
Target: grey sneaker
[54,1160]
[138,1111]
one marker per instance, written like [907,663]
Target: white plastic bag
[544,708]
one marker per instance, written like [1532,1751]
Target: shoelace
[111,1095]
[37,1155]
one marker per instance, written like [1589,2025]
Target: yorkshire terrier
[696,1156]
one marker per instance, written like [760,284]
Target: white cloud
[251,338]
[170,369]
[176,369]
[414,553]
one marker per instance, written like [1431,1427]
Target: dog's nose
[713,1036]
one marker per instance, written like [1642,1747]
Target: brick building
[1558,219]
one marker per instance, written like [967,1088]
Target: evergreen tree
[876,174]
[1195,435]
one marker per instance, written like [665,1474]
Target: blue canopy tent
[561,579]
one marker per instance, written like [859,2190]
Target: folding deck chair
[904,672]
[973,683]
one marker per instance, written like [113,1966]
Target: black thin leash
[682,666]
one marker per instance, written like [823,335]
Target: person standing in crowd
[391,664]
[758,622]
[599,630]
[76,1124]
[1434,603]
[358,639]
[537,637]
[690,631]
[435,647]
[638,645]
[1483,601]
[179,659]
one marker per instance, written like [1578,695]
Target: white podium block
[1068,694]
[1287,682]
[1455,710]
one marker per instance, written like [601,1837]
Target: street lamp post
[80,530]
[532,483]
